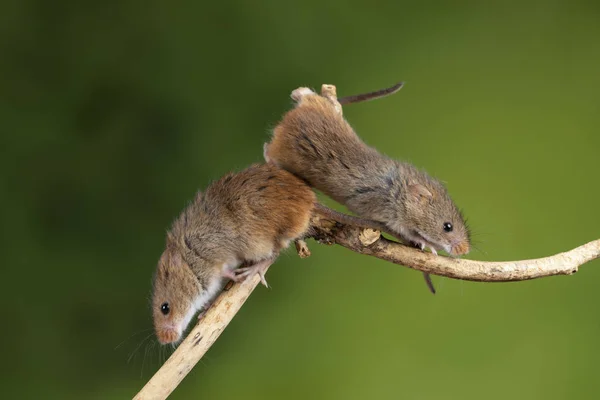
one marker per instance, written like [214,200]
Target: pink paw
[299,93]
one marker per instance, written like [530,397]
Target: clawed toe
[262,278]
[231,275]
[245,272]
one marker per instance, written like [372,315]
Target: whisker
[137,333]
[138,347]
[149,346]
[162,354]
[479,250]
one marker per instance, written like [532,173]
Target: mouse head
[434,220]
[175,290]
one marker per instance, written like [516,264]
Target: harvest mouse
[245,217]
[316,143]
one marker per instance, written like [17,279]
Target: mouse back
[316,143]
[264,205]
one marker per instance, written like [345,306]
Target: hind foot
[260,268]
[299,93]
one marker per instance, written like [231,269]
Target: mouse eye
[448,227]
[164,308]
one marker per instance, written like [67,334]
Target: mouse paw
[232,275]
[302,248]
[260,268]
[299,93]
[204,309]
[423,247]
[266,153]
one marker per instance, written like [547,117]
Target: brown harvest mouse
[245,217]
[316,143]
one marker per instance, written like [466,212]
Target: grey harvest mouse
[316,143]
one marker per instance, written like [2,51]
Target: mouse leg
[259,268]
[266,153]
[299,93]
[239,274]
[302,248]
[330,93]
[229,274]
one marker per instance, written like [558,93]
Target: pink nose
[167,335]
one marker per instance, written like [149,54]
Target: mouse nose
[460,249]
[167,335]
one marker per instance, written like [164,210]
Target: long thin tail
[428,282]
[357,98]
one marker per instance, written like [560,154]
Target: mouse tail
[357,98]
[429,282]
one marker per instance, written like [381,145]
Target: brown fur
[247,215]
[244,217]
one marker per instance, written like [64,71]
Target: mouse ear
[419,192]
[176,258]
[171,256]
[164,257]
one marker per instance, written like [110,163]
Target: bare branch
[327,230]
[331,231]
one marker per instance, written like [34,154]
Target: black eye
[447,226]
[165,308]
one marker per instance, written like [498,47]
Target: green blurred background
[114,113]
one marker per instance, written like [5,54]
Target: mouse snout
[460,248]
[167,335]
